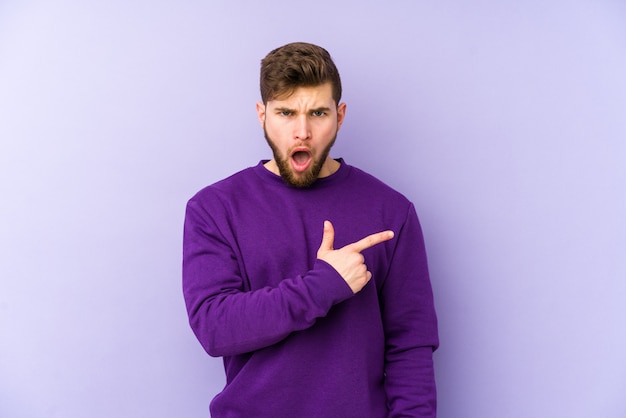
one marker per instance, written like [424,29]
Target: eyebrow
[286,109]
[321,109]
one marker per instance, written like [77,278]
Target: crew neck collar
[266,174]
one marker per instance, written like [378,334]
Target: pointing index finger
[370,241]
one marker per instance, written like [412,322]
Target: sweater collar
[338,175]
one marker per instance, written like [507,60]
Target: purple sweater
[296,341]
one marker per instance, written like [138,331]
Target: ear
[341,114]
[260,111]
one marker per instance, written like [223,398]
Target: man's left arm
[410,326]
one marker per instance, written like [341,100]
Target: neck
[330,167]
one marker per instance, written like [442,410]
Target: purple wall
[505,124]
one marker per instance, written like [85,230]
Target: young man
[307,275]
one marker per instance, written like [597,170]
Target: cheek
[327,132]
[273,131]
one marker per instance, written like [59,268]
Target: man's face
[301,130]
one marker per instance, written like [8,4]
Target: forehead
[309,96]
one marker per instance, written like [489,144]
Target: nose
[302,129]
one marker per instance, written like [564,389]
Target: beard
[289,176]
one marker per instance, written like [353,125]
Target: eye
[285,113]
[318,113]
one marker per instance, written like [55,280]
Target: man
[287,276]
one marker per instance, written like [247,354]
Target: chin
[300,181]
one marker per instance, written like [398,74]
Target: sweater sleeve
[410,327]
[227,318]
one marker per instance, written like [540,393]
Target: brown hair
[296,65]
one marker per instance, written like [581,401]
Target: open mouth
[301,159]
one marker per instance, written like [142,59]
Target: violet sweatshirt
[296,341]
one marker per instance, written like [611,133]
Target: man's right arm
[228,319]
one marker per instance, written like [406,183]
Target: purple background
[505,123]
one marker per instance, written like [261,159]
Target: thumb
[328,238]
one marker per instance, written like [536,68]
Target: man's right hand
[348,260]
